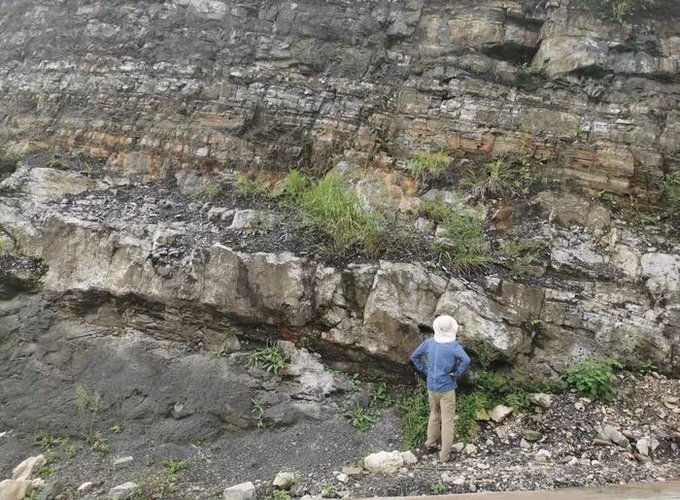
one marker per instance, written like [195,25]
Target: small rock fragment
[541,399]
[343,478]
[543,455]
[28,467]
[524,444]
[15,488]
[409,457]
[352,471]
[642,446]
[500,413]
[384,462]
[85,487]
[615,436]
[458,447]
[284,480]
[122,462]
[243,491]
[470,449]
[123,491]
[531,436]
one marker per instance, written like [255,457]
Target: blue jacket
[445,364]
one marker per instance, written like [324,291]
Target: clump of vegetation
[329,491]
[116,428]
[251,187]
[414,410]
[517,256]
[436,210]
[361,418]
[503,177]
[337,212]
[89,405]
[439,488]
[619,9]
[593,379]
[279,495]
[258,410]
[426,165]
[295,185]
[670,194]
[464,243]
[8,163]
[270,358]
[382,395]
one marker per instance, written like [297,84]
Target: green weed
[517,256]
[439,488]
[270,358]
[116,429]
[670,194]
[336,211]
[8,163]
[360,418]
[593,379]
[468,407]
[175,466]
[464,243]
[427,165]
[383,396]
[414,410]
[220,351]
[329,491]
[435,210]
[258,410]
[279,495]
[501,178]
[45,472]
[251,187]
[97,442]
[296,184]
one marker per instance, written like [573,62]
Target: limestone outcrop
[587,303]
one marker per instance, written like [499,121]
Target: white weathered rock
[450,479]
[122,462]
[470,449]
[85,487]
[285,480]
[500,413]
[352,471]
[409,457]
[243,491]
[524,444]
[343,478]
[615,436]
[15,489]
[541,399]
[403,297]
[384,462]
[28,467]
[662,272]
[642,445]
[543,455]
[458,447]
[123,491]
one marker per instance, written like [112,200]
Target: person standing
[445,362]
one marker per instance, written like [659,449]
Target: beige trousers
[441,422]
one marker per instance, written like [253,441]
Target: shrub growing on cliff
[464,243]
[426,165]
[670,195]
[593,379]
[336,211]
[8,163]
[270,358]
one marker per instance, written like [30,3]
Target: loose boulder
[384,462]
[243,491]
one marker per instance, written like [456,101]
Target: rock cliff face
[153,87]
[189,88]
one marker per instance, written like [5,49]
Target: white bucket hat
[445,329]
